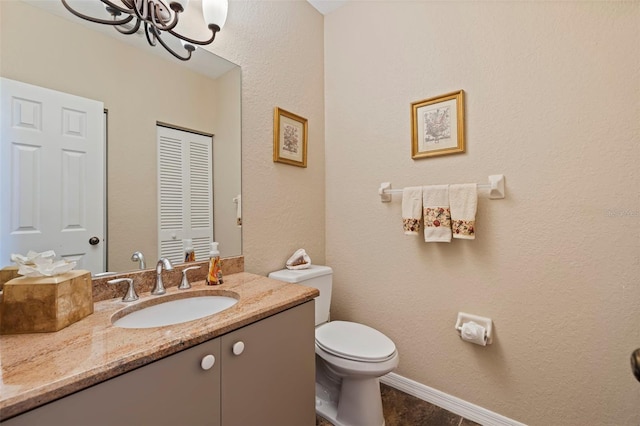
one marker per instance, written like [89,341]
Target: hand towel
[411,209]
[463,199]
[437,215]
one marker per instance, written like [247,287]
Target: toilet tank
[316,276]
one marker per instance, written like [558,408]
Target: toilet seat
[354,341]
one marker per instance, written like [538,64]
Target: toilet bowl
[356,355]
[350,358]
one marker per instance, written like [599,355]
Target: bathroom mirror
[140,86]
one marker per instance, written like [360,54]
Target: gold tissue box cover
[7,274]
[45,304]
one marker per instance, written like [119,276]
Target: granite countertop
[40,367]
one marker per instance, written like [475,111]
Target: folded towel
[437,215]
[463,199]
[411,209]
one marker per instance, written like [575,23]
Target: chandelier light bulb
[215,12]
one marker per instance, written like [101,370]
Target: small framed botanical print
[289,138]
[437,126]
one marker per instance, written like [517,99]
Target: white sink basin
[174,311]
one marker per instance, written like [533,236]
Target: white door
[185,193]
[51,175]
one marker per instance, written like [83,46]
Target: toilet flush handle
[238,348]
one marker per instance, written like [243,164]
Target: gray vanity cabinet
[270,382]
[171,391]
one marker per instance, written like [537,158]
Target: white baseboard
[450,403]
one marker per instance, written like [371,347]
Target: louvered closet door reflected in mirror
[185,193]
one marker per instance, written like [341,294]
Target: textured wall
[279,45]
[553,102]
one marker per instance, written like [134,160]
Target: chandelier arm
[97,20]
[152,15]
[137,12]
[147,30]
[214,30]
[131,31]
[177,9]
[170,50]
[116,7]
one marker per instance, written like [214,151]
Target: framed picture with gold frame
[437,126]
[289,138]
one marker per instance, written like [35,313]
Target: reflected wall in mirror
[139,88]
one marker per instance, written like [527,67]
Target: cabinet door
[172,391]
[272,381]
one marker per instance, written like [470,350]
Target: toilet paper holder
[487,323]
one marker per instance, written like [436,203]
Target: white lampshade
[215,11]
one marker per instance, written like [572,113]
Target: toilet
[350,357]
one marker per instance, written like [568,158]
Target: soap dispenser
[189,252]
[214,277]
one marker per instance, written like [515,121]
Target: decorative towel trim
[436,217]
[463,201]
[464,228]
[411,209]
[437,213]
[411,225]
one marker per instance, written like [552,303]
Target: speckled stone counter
[39,368]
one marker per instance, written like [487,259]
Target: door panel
[52,171]
[185,182]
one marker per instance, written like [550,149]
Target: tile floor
[401,409]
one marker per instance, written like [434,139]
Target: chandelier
[158,17]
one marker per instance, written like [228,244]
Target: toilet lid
[354,341]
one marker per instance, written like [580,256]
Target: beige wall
[553,103]
[279,45]
[54,57]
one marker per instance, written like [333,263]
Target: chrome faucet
[138,257]
[159,288]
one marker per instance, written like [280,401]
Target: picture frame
[437,126]
[289,138]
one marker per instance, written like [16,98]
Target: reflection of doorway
[51,175]
[185,192]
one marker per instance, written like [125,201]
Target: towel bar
[495,187]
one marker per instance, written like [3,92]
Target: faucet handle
[185,281]
[131,295]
